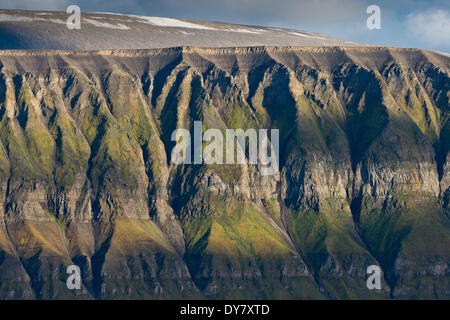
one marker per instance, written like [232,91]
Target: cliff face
[86,178]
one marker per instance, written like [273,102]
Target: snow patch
[96,23]
[242,30]
[170,22]
[306,35]
[12,18]
[58,21]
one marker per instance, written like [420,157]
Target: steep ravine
[86,176]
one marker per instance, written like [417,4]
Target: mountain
[86,176]
[98,31]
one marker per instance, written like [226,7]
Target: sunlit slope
[86,178]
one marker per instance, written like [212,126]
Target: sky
[404,23]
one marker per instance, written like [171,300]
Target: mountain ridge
[46,30]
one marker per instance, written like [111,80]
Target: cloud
[432,27]
[35,5]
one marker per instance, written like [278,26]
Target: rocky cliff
[86,177]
